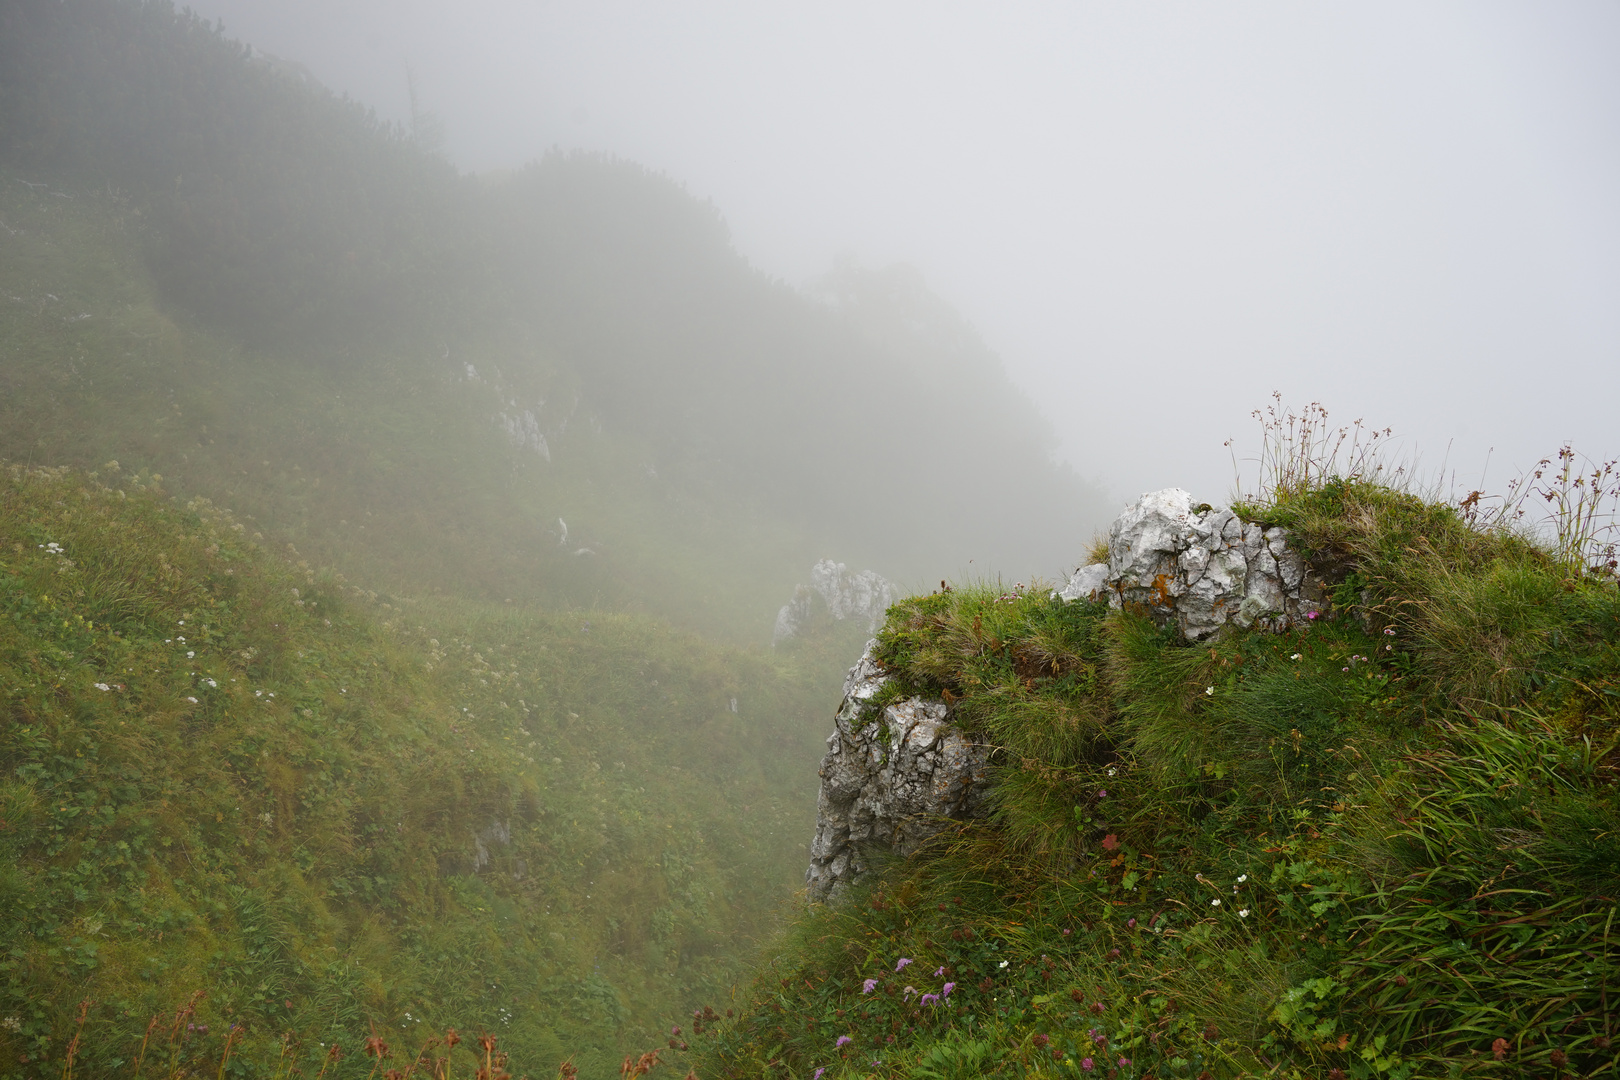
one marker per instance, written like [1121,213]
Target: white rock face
[889,781]
[848,595]
[1201,566]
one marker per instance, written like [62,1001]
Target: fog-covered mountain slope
[461,361]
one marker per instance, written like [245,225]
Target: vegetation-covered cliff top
[1387,844]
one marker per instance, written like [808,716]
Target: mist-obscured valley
[390,558]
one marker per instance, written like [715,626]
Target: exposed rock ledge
[889,780]
[893,778]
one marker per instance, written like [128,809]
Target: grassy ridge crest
[1381,846]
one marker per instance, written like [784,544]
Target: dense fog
[451,456]
[1155,215]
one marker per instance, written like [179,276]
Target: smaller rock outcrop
[891,778]
[1202,566]
[847,594]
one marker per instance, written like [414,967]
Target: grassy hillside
[1386,845]
[224,771]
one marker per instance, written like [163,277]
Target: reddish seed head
[451,1037]
[1400,980]
[1336,1074]
[1097,1007]
[1499,1049]
[1559,1059]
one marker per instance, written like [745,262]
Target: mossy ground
[1383,845]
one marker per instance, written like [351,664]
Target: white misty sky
[1156,213]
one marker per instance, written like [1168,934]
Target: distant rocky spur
[847,594]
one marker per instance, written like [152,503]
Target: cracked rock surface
[890,780]
[1201,566]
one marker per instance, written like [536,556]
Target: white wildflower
[1215,902]
[1209,690]
[102,686]
[1243,913]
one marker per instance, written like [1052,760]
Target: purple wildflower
[843,1041]
[903,962]
[1086,1064]
[947,991]
[868,986]
[928,999]
[819,1072]
[938,973]
[1124,1063]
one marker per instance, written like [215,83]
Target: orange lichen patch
[1159,593]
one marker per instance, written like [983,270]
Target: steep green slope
[1386,845]
[223,771]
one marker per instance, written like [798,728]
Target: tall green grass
[229,771]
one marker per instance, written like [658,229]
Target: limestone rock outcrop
[891,778]
[848,595]
[1201,566]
